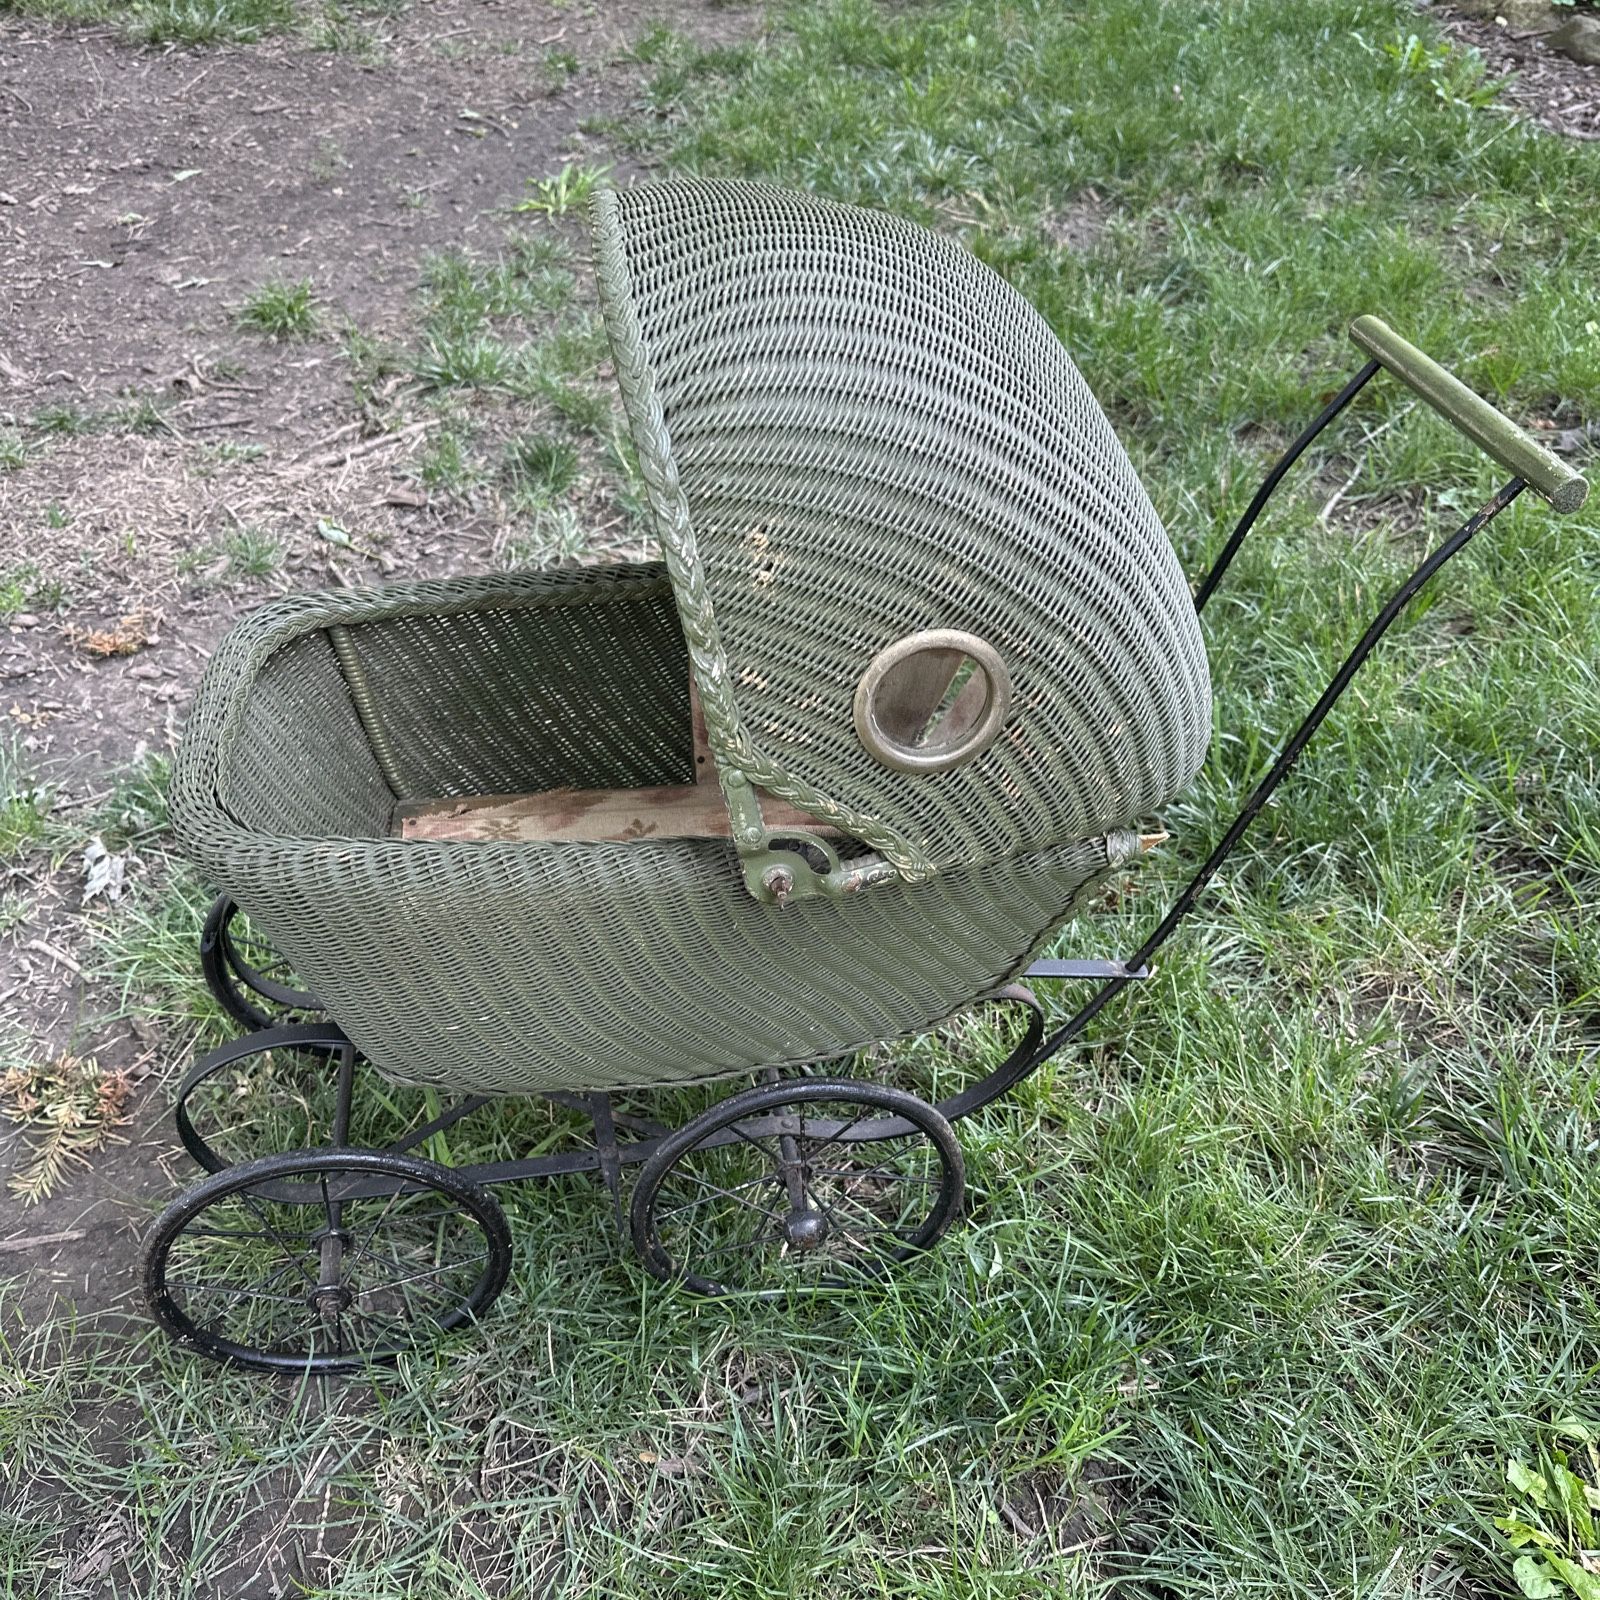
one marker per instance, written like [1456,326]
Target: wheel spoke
[717,1194]
[419,1277]
[236,1290]
[266,1222]
[754,1141]
[725,1193]
[835,1138]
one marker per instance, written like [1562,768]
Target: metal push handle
[1534,467]
[1497,435]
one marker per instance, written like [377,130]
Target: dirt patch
[1555,91]
[170,467]
[1079,224]
[148,194]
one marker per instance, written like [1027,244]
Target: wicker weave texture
[510,968]
[852,430]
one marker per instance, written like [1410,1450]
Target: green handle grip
[1493,433]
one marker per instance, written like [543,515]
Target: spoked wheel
[249,979]
[801,1183]
[325,1260]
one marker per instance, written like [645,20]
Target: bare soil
[1557,92]
[143,195]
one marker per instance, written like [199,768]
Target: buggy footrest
[1086,969]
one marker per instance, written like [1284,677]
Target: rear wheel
[325,1260]
[800,1183]
[247,977]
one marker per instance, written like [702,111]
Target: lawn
[1262,1286]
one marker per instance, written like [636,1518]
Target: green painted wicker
[510,968]
[851,431]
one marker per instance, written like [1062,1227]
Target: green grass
[280,309]
[252,553]
[24,804]
[25,588]
[564,192]
[326,25]
[544,466]
[1262,1287]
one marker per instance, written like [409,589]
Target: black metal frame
[226,968]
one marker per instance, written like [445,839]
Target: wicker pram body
[916,659]
[853,434]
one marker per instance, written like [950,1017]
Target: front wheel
[325,1260]
[799,1183]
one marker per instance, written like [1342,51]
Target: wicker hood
[853,431]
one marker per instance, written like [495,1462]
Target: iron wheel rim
[370,1176]
[237,983]
[756,1119]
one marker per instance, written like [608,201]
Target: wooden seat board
[676,811]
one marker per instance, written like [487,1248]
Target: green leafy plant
[1553,1518]
[281,310]
[566,191]
[1458,77]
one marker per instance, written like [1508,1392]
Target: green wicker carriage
[916,662]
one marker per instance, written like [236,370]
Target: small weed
[13,452]
[536,462]
[559,66]
[1457,77]
[463,293]
[24,805]
[656,44]
[139,414]
[370,361]
[554,535]
[447,463]
[252,553]
[565,192]
[134,813]
[582,408]
[60,418]
[56,515]
[206,21]
[26,588]
[335,30]
[229,453]
[476,361]
[1554,1516]
[280,310]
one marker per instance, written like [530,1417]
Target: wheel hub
[330,1300]
[805,1229]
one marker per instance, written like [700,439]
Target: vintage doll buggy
[916,660]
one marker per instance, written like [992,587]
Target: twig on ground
[33,1241]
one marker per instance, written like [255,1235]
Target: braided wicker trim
[725,728]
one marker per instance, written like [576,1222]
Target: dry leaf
[130,635]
